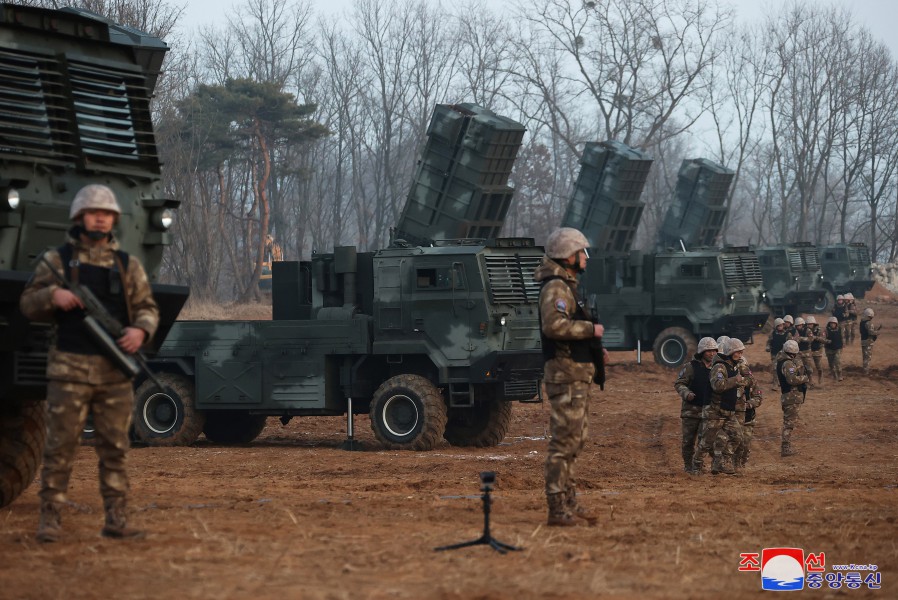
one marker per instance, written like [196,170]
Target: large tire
[233,426]
[167,417]
[826,304]
[674,346]
[408,413]
[23,431]
[480,426]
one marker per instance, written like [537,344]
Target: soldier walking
[747,403]
[851,324]
[817,344]
[869,333]
[775,343]
[81,377]
[833,343]
[694,387]
[723,433]
[804,339]
[793,384]
[566,332]
[840,312]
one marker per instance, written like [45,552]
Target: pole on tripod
[486,539]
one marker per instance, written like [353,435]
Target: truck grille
[105,111]
[511,278]
[741,271]
[859,257]
[803,259]
[521,390]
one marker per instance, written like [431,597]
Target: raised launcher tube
[460,189]
[699,209]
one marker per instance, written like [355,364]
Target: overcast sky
[879,16]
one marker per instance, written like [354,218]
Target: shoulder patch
[682,372]
[719,375]
[791,369]
[561,306]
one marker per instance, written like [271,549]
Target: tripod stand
[487,478]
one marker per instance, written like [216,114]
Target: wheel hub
[160,413]
[672,351]
[400,415]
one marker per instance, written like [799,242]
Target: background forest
[307,127]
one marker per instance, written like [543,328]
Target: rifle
[595,345]
[105,329]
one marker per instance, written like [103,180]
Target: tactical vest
[729,397]
[580,349]
[817,344]
[835,339]
[805,345]
[865,330]
[777,339]
[840,312]
[700,384]
[106,284]
[785,386]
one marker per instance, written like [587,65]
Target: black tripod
[487,478]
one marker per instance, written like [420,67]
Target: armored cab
[792,278]
[75,98]
[670,298]
[846,268]
[432,337]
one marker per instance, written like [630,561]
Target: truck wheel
[23,430]
[408,413]
[167,417]
[674,346]
[479,426]
[233,426]
[825,304]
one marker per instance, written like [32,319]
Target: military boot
[578,510]
[728,465]
[116,520]
[49,528]
[558,513]
[787,450]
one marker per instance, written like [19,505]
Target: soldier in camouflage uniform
[747,403]
[694,387]
[840,312]
[793,384]
[723,433]
[817,343]
[81,378]
[869,333]
[566,332]
[775,343]
[804,338]
[851,323]
[789,324]
[833,347]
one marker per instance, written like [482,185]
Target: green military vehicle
[75,95]
[792,278]
[846,269]
[667,299]
[432,336]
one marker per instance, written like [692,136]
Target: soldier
[789,324]
[566,332]
[749,399]
[775,343]
[851,321]
[869,333]
[817,344]
[722,434]
[804,339]
[833,343]
[694,387]
[81,378]
[840,312]
[793,384]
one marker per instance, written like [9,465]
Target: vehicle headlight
[502,320]
[163,219]
[12,199]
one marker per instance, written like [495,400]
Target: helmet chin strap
[94,236]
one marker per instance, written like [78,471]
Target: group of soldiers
[720,395]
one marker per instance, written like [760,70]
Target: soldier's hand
[66,300]
[690,396]
[132,339]
[599,330]
[740,379]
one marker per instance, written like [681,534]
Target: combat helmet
[832,320]
[868,313]
[840,297]
[777,322]
[811,320]
[94,197]
[799,322]
[733,345]
[564,242]
[790,347]
[788,319]
[705,344]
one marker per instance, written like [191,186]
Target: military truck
[668,299]
[74,109]
[792,278]
[431,337]
[846,269]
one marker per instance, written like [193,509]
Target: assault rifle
[595,346]
[105,329]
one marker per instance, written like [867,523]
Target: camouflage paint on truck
[792,278]
[846,268]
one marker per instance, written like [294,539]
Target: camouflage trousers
[776,381]
[722,433]
[68,404]
[834,358]
[568,428]
[748,432]
[691,424]
[817,355]
[849,329]
[791,402]
[808,363]
[867,353]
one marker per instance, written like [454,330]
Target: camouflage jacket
[557,309]
[726,389]
[36,304]
[791,370]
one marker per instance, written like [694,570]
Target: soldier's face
[98,220]
[708,355]
[737,355]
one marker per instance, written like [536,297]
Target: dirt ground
[293,516]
